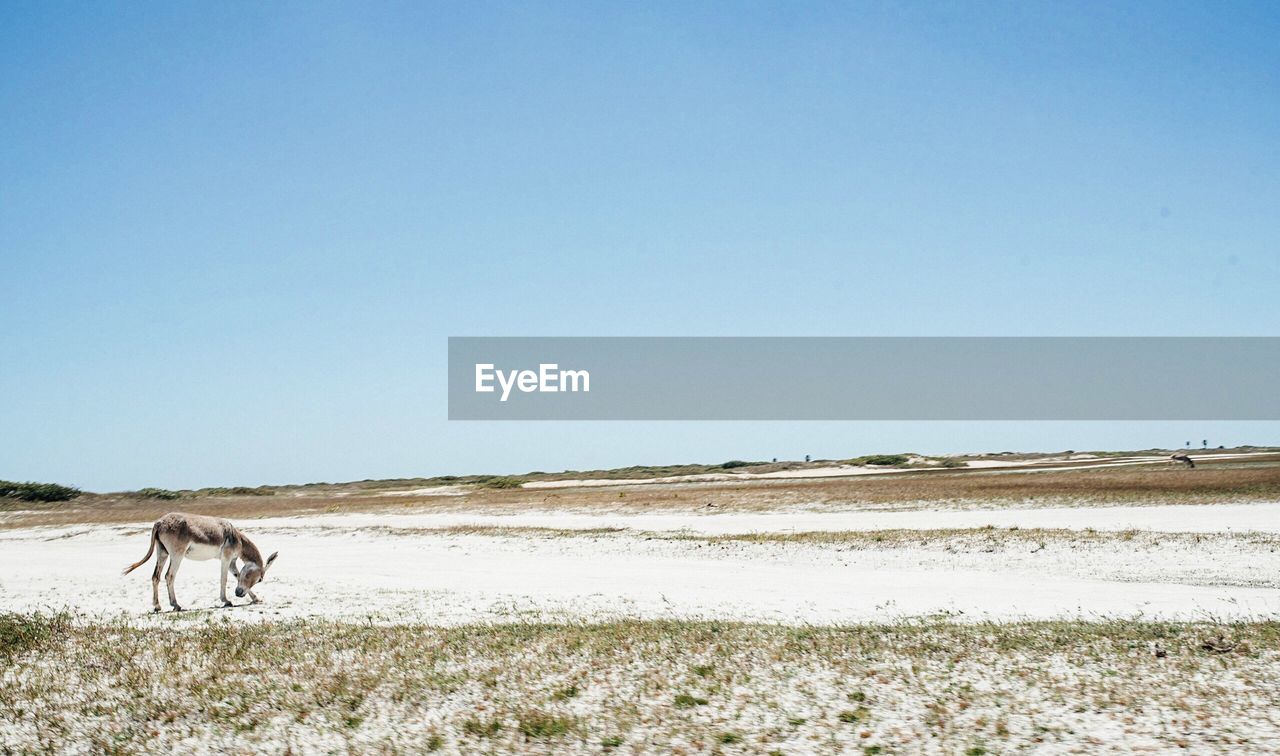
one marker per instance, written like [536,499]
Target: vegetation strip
[1255,479]
[661,685]
[869,539]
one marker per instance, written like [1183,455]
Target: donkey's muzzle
[239,593]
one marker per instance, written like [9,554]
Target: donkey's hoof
[226,604]
[155,610]
[177,608]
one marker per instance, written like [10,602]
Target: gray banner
[863,378]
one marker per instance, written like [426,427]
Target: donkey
[199,537]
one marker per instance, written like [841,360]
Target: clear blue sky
[234,237]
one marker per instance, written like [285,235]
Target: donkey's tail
[155,536]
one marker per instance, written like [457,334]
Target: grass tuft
[540,724]
[21,633]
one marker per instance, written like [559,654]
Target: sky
[235,237]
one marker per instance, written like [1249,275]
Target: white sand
[1219,518]
[357,565]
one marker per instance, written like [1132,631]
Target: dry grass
[648,686]
[1252,481]
[1236,481]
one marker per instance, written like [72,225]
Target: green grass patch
[686,701]
[20,633]
[537,725]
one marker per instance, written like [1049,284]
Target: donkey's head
[251,574]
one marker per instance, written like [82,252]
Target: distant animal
[178,536]
[1184,459]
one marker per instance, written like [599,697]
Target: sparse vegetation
[482,728]
[1255,479]
[542,725]
[500,482]
[881,460]
[107,686]
[987,539]
[163,494]
[237,491]
[20,633]
[850,716]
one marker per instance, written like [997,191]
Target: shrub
[735,463]
[953,462]
[880,460]
[37,491]
[499,482]
[238,491]
[158,493]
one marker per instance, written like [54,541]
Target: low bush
[238,491]
[881,460]
[158,493]
[499,482]
[37,491]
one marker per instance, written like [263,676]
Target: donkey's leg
[162,555]
[175,562]
[222,587]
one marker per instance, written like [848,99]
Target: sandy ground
[402,568]
[1221,518]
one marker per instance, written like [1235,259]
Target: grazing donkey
[199,537]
